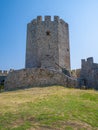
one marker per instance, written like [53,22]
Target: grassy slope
[50,108]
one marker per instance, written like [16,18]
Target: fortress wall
[89,73]
[26,78]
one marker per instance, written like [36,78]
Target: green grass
[49,108]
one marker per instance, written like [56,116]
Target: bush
[1,87]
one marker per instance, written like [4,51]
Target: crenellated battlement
[48,20]
[5,72]
[63,22]
[40,19]
[89,73]
[34,21]
[90,60]
[87,62]
[56,19]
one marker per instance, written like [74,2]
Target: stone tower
[47,44]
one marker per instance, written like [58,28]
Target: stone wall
[47,43]
[3,75]
[75,73]
[5,72]
[31,77]
[89,74]
[63,44]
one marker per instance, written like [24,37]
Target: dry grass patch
[49,108]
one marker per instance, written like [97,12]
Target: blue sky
[81,15]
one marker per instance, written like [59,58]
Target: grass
[49,108]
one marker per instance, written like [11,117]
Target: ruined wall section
[75,73]
[33,77]
[64,49]
[89,73]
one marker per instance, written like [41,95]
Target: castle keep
[48,59]
[47,56]
[47,43]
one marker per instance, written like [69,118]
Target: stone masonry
[88,74]
[47,53]
[33,77]
[47,43]
[3,75]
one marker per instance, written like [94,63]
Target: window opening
[48,33]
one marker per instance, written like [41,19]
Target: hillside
[49,108]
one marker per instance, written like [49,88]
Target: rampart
[32,77]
